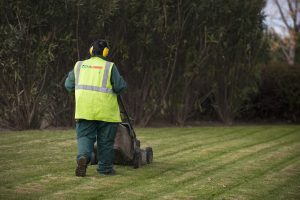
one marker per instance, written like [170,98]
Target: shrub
[279,93]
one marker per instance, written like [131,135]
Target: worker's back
[95,99]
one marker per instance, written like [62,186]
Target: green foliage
[234,42]
[175,55]
[32,34]
[279,92]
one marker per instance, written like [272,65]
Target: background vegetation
[184,60]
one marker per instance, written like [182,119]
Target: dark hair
[98,46]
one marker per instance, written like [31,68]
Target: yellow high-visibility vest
[94,97]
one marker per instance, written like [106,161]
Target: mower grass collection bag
[127,148]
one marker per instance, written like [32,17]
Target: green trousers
[90,131]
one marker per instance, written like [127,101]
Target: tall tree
[290,17]
[235,37]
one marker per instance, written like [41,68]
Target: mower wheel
[149,155]
[137,159]
[94,160]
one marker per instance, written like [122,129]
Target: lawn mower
[126,146]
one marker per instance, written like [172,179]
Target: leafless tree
[289,15]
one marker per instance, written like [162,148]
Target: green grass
[241,162]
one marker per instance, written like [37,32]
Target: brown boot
[81,166]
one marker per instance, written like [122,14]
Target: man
[96,83]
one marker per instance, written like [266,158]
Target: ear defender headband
[91,50]
[99,44]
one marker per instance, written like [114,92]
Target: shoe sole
[112,173]
[81,167]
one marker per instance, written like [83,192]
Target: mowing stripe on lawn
[173,186]
[229,151]
[175,139]
[220,167]
[214,188]
[267,184]
[233,150]
[168,169]
[288,190]
[159,174]
[230,131]
[275,167]
[214,153]
[217,143]
[196,144]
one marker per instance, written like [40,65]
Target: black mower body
[127,149]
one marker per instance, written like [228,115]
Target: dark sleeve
[70,82]
[117,81]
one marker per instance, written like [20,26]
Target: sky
[273,18]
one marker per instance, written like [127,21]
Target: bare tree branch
[296,16]
[293,13]
[282,14]
[288,45]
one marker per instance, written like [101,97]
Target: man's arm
[70,82]
[117,81]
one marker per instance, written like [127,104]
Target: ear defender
[105,52]
[91,50]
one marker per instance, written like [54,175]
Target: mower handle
[126,114]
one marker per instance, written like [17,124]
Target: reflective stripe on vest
[103,87]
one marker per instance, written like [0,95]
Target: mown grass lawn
[241,162]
